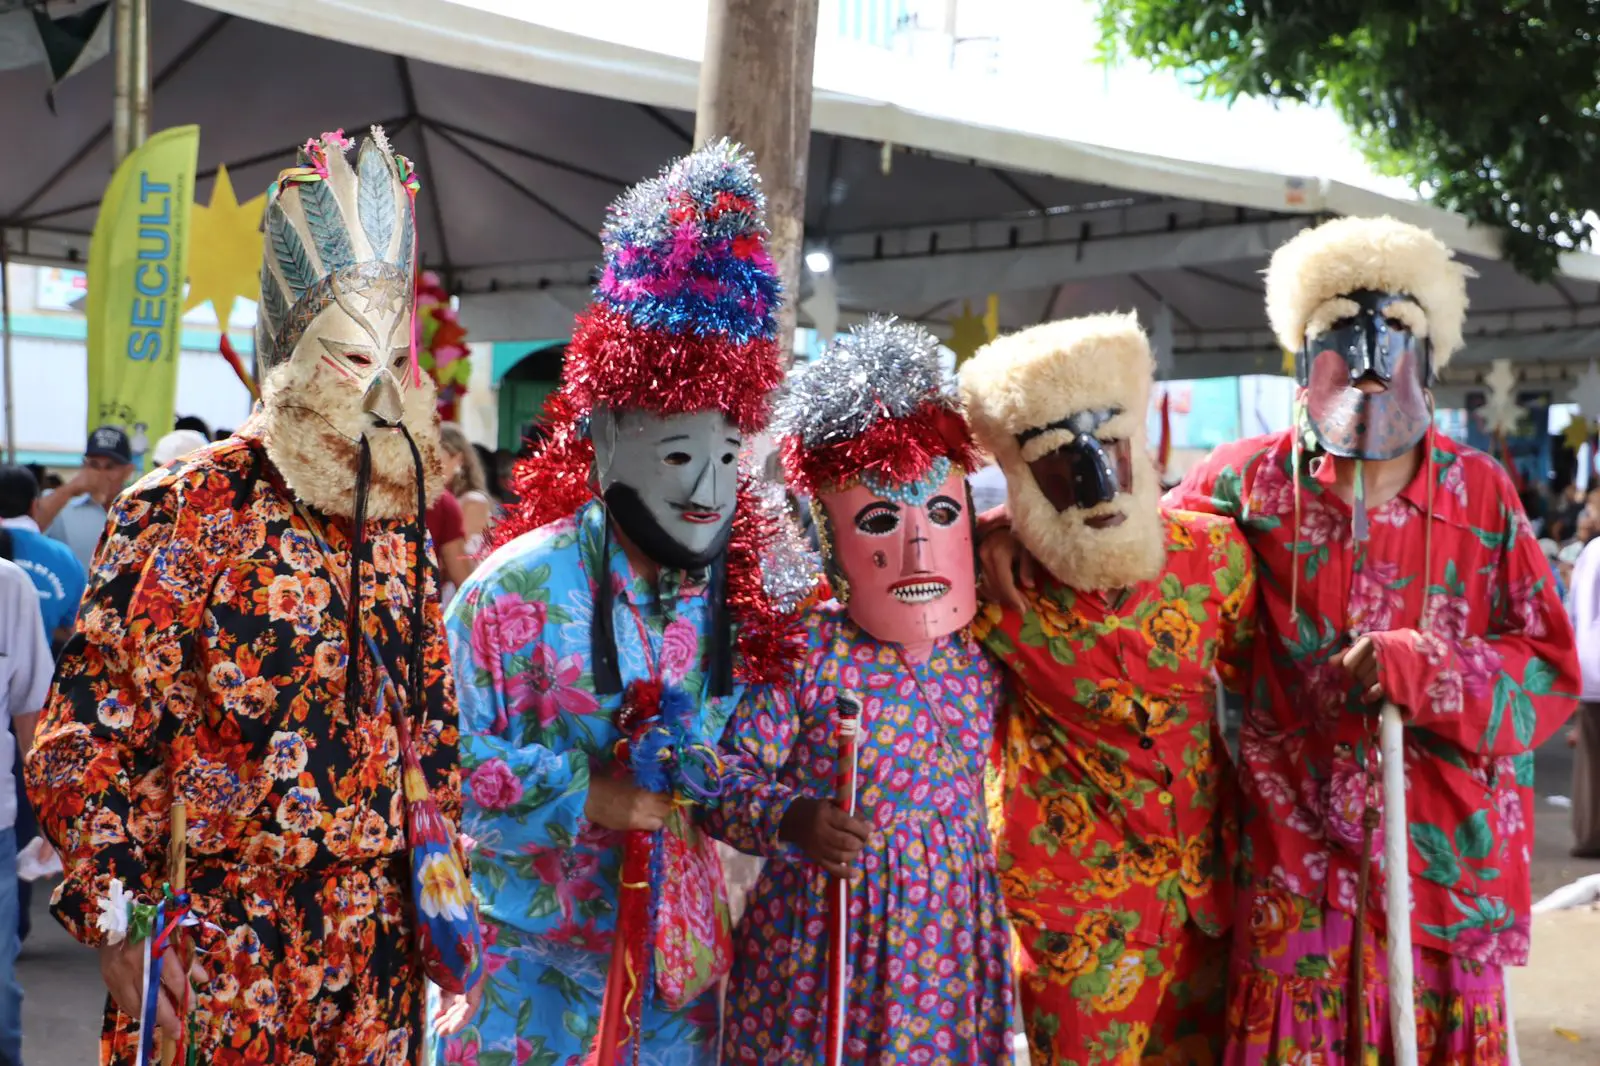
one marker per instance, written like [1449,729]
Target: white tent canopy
[523,133]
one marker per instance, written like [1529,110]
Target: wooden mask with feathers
[344,401]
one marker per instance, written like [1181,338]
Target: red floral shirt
[1488,678]
[1112,762]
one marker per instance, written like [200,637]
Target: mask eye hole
[943,511]
[878,520]
[1394,322]
[357,359]
[728,458]
[676,459]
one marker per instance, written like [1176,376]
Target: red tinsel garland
[613,363]
[896,450]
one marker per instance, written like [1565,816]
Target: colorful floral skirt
[929,974]
[1091,997]
[307,968]
[1287,991]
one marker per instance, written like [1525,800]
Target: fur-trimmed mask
[1062,409]
[1371,307]
[334,336]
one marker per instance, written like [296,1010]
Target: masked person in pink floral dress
[1396,566]
[872,433]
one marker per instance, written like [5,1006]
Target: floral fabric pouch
[693,924]
[449,940]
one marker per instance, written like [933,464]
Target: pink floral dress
[929,950]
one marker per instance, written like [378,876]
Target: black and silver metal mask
[1366,377]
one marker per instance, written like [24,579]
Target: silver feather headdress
[330,232]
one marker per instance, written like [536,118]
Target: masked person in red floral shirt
[1399,567]
[1112,854]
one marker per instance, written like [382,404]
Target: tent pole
[5,347]
[122,101]
[141,75]
[755,87]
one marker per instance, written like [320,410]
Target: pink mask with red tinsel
[873,433]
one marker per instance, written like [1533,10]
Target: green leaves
[1473,838]
[1439,92]
[1524,719]
[999,643]
[1435,847]
[1538,676]
[1524,768]
[1504,689]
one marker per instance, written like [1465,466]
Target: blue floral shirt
[532,726]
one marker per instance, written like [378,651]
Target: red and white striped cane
[847,712]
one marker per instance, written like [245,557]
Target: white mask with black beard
[669,482]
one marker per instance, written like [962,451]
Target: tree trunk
[755,87]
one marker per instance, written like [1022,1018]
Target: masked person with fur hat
[1399,567]
[874,435]
[261,619]
[601,647]
[1112,855]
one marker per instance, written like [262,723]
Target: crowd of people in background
[1565,522]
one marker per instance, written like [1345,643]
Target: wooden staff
[1397,887]
[847,710]
[177,877]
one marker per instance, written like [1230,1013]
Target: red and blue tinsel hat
[875,408]
[684,319]
[685,314]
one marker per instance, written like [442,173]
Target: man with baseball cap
[75,514]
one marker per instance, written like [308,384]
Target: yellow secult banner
[138,261]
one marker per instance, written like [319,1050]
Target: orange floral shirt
[1113,767]
[209,663]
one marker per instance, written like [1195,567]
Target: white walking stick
[1397,889]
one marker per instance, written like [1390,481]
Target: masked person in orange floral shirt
[1113,858]
[261,633]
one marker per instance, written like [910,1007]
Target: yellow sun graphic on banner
[224,250]
[969,332]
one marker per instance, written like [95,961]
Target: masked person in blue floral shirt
[626,590]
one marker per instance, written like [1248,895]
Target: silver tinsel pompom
[687,192]
[882,368]
[790,570]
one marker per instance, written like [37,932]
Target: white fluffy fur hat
[1383,254]
[1033,377]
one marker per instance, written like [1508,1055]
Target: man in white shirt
[25,669]
[1583,605]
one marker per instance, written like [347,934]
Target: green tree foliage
[1488,105]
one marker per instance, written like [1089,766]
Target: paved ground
[61,1014]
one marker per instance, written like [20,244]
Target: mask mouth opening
[698,516]
[924,588]
[1370,384]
